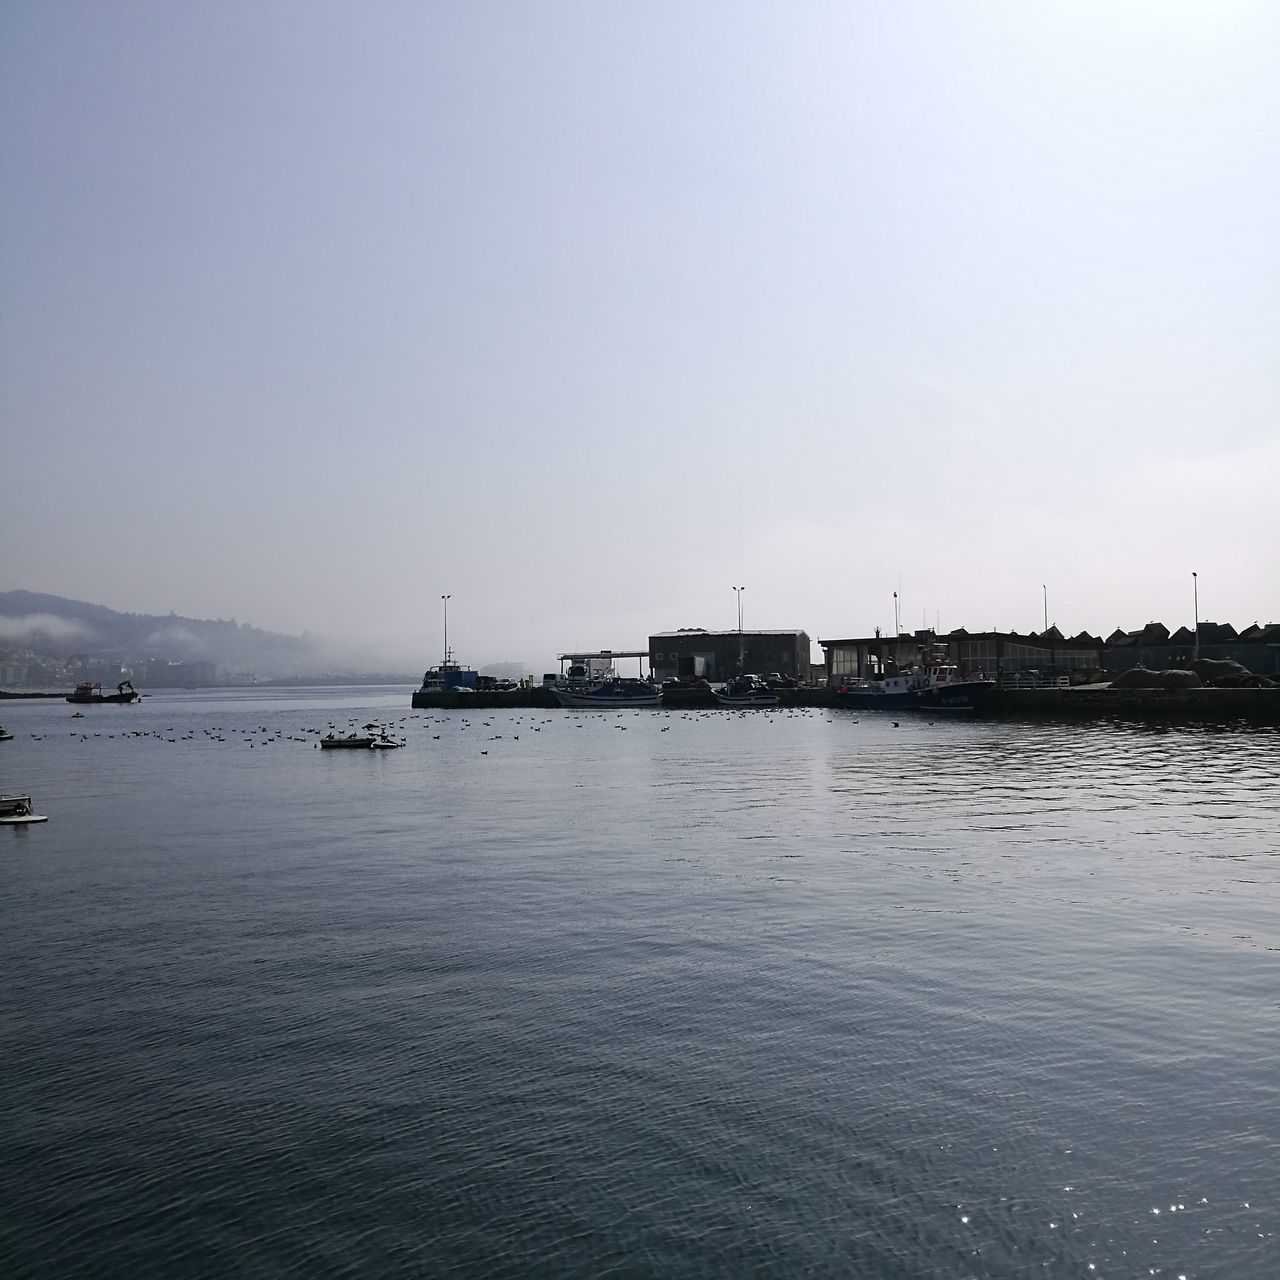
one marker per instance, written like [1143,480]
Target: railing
[1033,680]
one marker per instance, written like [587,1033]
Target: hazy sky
[586,312]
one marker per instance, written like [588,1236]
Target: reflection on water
[670,993]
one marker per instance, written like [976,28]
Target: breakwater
[1259,706]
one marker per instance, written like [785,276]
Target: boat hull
[603,701]
[959,695]
[85,699]
[345,744]
[745,701]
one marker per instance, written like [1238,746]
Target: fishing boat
[15,811]
[950,691]
[5,735]
[384,742]
[936,685]
[615,692]
[891,693]
[86,691]
[745,692]
[445,685]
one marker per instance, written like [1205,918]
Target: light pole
[1195,595]
[1045,588]
[741,653]
[445,599]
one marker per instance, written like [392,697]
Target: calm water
[642,994]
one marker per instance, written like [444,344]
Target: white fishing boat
[16,811]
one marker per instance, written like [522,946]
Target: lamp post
[1195,595]
[1045,588]
[897,630]
[445,600]
[741,652]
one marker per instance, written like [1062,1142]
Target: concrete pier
[1257,706]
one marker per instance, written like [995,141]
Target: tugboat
[88,692]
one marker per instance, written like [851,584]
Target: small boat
[384,742]
[609,693]
[86,691]
[351,742]
[5,735]
[15,811]
[746,691]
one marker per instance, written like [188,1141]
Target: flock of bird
[261,735]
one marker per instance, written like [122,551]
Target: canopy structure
[605,655]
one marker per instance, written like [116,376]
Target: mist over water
[658,993]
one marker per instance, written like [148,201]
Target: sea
[643,993]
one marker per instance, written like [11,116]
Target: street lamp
[1195,595]
[1044,587]
[446,599]
[741,653]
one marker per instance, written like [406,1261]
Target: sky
[586,313]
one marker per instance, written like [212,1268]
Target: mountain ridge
[59,627]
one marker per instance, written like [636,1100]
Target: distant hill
[55,627]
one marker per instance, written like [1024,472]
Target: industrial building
[693,652]
[1047,655]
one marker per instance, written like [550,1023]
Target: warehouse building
[693,652]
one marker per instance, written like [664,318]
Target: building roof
[700,631]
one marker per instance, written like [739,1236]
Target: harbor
[1206,674]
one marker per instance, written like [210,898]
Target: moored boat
[957,693]
[444,685]
[745,692]
[937,686]
[609,693]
